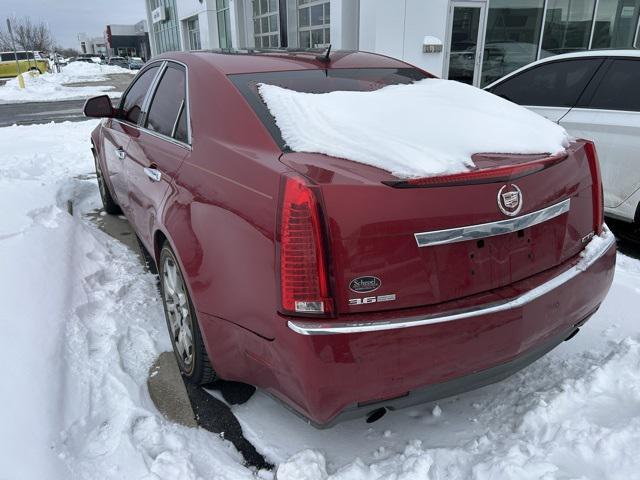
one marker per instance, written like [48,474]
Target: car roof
[230,62]
[605,53]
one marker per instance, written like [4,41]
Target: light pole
[15,53]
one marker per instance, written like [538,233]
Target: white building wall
[422,19]
[344,24]
[397,28]
[206,13]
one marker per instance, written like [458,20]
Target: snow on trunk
[427,128]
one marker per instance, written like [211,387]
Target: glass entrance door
[466,35]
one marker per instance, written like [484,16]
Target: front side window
[619,89]
[266,23]
[554,84]
[131,104]
[224,23]
[314,20]
[168,102]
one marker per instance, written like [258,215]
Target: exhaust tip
[376,415]
[572,334]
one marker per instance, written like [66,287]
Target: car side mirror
[99,107]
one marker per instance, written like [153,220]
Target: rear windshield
[318,81]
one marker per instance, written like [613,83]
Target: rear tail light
[597,193]
[303,273]
[493,174]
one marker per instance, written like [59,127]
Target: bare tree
[28,35]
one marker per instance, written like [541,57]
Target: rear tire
[109,204]
[182,323]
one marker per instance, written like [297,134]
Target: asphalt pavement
[57,111]
[40,112]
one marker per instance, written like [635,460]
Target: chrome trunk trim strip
[327,327]
[484,230]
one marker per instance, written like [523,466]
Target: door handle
[120,153]
[153,173]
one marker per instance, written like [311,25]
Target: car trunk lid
[375,224]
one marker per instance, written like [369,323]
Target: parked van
[26,61]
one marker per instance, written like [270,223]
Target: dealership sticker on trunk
[365,284]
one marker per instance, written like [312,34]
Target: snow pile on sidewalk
[52,86]
[81,325]
[427,128]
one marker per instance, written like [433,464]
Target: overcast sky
[67,18]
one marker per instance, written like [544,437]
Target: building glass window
[166,32]
[616,24]
[266,23]
[314,23]
[224,23]
[567,26]
[193,29]
[512,38]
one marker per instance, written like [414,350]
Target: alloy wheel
[178,313]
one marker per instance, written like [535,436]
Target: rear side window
[556,84]
[131,105]
[165,113]
[620,87]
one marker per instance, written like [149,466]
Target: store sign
[158,15]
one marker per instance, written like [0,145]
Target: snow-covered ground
[82,324]
[52,86]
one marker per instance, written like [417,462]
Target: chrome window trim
[484,230]
[327,327]
[148,98]
[138,75]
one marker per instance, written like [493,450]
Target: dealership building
[474,41]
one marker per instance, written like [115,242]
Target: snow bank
[51,86]
[583,422]
[427,128]
[81,325]
[78,71]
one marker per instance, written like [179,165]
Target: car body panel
[379,240]
[115,138]
[617,137]
[217,205]
[146,195]
[320,376]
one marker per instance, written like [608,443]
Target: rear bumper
[336,370]
[306,327]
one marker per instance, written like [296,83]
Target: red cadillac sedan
[335,286]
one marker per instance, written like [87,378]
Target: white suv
[594,95]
